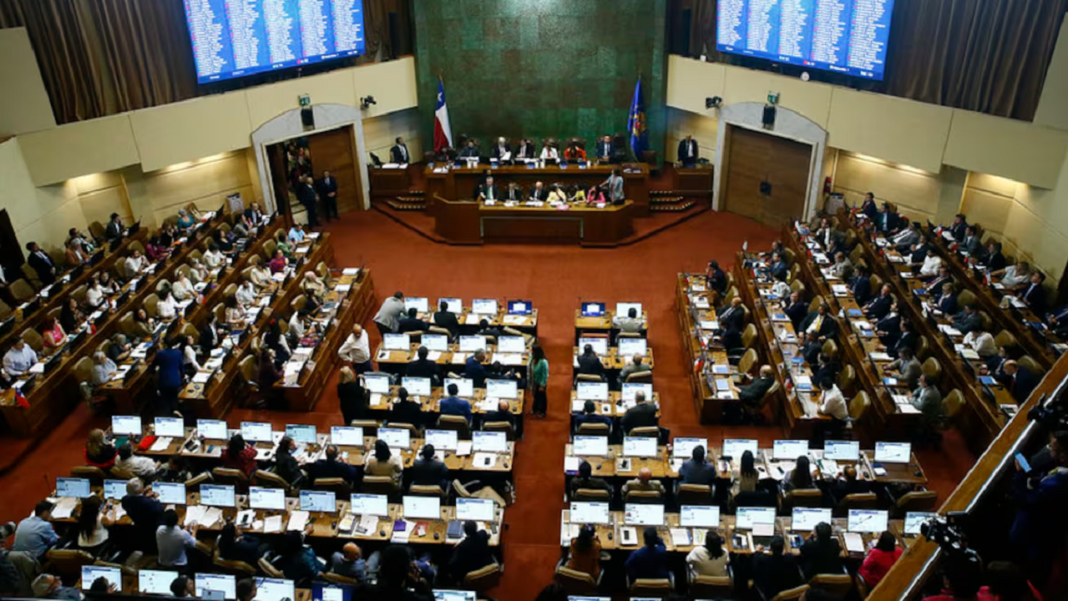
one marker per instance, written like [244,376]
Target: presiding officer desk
[460,220]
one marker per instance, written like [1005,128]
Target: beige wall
[681,123]
[918,194]
[379,133]
[24,103]
[204,182]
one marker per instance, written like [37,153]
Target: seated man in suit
[444,318]
[502,150]
[827,234]
[423,367]
[629,322]
[636,366]
[907,237]
[642,415]
[821,322]
[779,268]
[752,394]
[931,266]
[399,152]
[484,329]
[42,263]
[644,483]
[826,369]
[888,329]
[586,480]
[525,149]
[928,399]
[906,368]
[411,322]
[1019,380]
[796,309]
[869,207]
[330,467]
[917,252]
[880,305]
[848,484]
[539,192]
[605,149]
[474,369]
[428,470]
[971,243]
[994,260]
[589,362]
[861,285]
[731,322]
[778,571]
[907,338]
[589,415]
[488,191]
[1035,294]
[469,151]
[843,267]
[811,349]
[947,302]
[503,413]
[514,193]
[934,287]
[688,151]
[968,320]
[454,405]
[696,470]
[959,227]
[887,222]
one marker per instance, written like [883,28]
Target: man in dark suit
[428,471]
[688,151]
[753,393]
[469,151]
[484,329]
[514,193]
[539,192]
[959,227]
[811,349]
[936,287]
[474,369]
[1019,380]
[641,415]
[328,192]
[947,302]
[525,150]
[446,319]
[696,470]
[888,329]
[868,207]
[605,149]
[1037,533]
[589,415]
[585,479]
[399,152]
[917,252]
[908,338]
[41,263]
[776,572]
[145,511]
[715,278]
[848,484]
[589,363]
[861,285]
[796,310]
[488,190]
[1057,320]
[330,467]
[502,413]
[168,362]
[423,367]
[501,149]
[1034,295]
[114,230]
[821,322]
[827,369]
[888,221]
[995,261]
[880,305]
[307,197]
[732,317]
[472,553]
[971,243]
[968,320]
[411,322]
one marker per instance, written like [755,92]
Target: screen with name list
[427,508]
[396,438]
[502,389]
[789,449]
[155,582]
[867,520]
[126,425]
[396,342]
[212,429]
[489,442]
[914,521]
[317,500]
[114,489]
[170,492]
[640,514]
[455,305]
[735,447]
[465,386]
[585,446]
[841,36]
[91,573]
[302,433]
[639,446]
[589,513]
[416,386]
[274,589]
[628,347]
[266,498]
[375,383]
[893,452]
[475,509]
[683,447]
[599,345]
[841,450]
[77,488]
[419,303]
[173,427]
[631,389]
[435,342]
[256,431]
[224,583]
[484,306]
[804,519]
[217,495]
[470,344]
[746,517]
[346,435]
[593,391]
[365,504]
[442,439]
[237,38]
[699,516]
[511,344]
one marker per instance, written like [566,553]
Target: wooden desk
[469,222]
[696,319]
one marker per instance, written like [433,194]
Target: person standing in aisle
[539,367]
[328,192]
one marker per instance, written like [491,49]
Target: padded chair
[22,291]
[230,290]
[34,340]
[505,427]
[193,484]
[249,370]
[379,485]
[149,304]
[923,349]
[859,405]
[5,310]
[916,500]
[413,432]
[67,563]
[267,479]
[830,348]
[748,361]
[847,379]
[592,495]
[966,297]
[117,473]
[932,368]
[235,568]
[369,426]
[834,586]
[93,474]
[694,494]
[590,429]
[803,497]
[711,587]
[867,500]
[426,490]
[83,370]
[483,578]
[790,595]
[815,304]
[644,497]
[456,423]
[589,378]
[645,432]
[269,247]
[952,404]
[339,486]
[797,286]
[30,273]
[749,337]
[655,588]
[268,568]
[475,490]
[575,582]
[439,330]
[641,377]
[1031,365]
[338,579]
[230,476]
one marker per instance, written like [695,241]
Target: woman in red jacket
[880,560]
[239,455]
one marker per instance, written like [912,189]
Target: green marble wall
[541,68]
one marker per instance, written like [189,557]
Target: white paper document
[297,520]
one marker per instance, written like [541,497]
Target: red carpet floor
[555,278]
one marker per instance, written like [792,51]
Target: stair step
[666,199]
[406,206]
[676,207]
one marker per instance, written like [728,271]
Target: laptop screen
[455,305]
[396,438]
[590,446]
[126,425]
[212,429]
[804,519]
[318,500]
[416,386]
[217,495]
[396,342]
[631,390]
[114,489]
[363,504]
[224,583]
[699,516]
[484,306]
[266,498]
[841,450]
[91,573]
[475,509]
[623,309]
[420,303]
[170,492]
[173,427]
[893,452]
[914,521]
[520,307]
[427,508]
[470,344]
[867,520]
[600,345]
[376,383]
[593,391]
[466,386]
[442,439]
[77,488]
[435,342]
[274,589]
[683,447]
[256,431]
[490,442]
[502,389]
[746,517]
[155,582]
[789,449]
[302,433]
[734,447]
[628,347]
[639,446]
[589,513]
[346,435]
[450,595]
[643,515]
[511,344]
[592,309]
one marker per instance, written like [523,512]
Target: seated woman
[269,372]
[103,368]
[144,326]
[278,262]
[98,451]
[120,347]
[94,294]
[155,249]
[585,555]
[93,525]
[233,545]
[166,308]
[800,477]
[557,194]
[313,286]
[710,559]
[198,272]
[71,316]
[168,234]
[108,285]
[595,196]
[235,314]
[274,340]
[385,463]
[298,563]
[53,334]
[185,220]
[74,255]
[879,560]
[260,276]
[190,366]
[239,455]
[748,476]
[214,258]
[182,288]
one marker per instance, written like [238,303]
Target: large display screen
[842,36]
[234,38]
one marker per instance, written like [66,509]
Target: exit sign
[305,100]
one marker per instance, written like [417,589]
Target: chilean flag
[442,130]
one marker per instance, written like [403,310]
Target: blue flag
[639,137]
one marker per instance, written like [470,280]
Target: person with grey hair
[119,348]
[185,220]
[636,367]
[145,511]
[47,586]
[103,368]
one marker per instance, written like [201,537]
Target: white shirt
[702,563]
[982,343]
[182,289]
[834,404]
[355,350]
[931,265]
[99,535]
[781,289]
[189,357]
[133,266]
[296,326]
[18,362]
[93,296]
[548,152]
[1011,279]
[137,465]
[246,294]
[213,259]
[166,308]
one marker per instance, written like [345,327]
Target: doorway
[332,151]
[766,176]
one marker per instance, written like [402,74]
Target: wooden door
[276,158]
[755,158]
[332,151]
